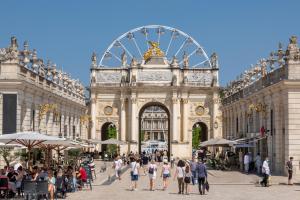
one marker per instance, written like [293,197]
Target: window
[33,120]
[9,117]
[155,135]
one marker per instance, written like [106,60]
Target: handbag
[207,186]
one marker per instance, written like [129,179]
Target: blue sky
[67,32]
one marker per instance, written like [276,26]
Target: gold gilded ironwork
[85,118]
[154,50]
[45,108]
[200,110]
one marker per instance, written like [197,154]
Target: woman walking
[165,173]
[51,184]
[179,173]
[187,178]
[134,173]
[152,174]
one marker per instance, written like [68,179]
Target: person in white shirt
[152,174]
[179,173]
[134,173]
[266,173]
[118,166]
[246,163]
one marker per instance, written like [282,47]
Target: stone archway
[157,135]
[106,133]
[199,133]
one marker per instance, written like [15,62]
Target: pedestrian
[289,166]
[187,179]
[145,161]
[165,174]
[241,160]
[246,163]
[202,176]
[172,161]
[258,163]
[152,174]
[134,173]
[266,173]
[118,167]
[193,165]
[179,174]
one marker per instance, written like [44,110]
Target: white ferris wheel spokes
[172,42]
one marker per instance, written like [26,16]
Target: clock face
[108,110]
[200,110]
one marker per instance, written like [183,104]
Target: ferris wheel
[172,42]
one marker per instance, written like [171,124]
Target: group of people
[263,168]
[187,172]
[60,179]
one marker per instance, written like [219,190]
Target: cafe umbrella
[28,139]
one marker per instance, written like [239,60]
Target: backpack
[151,170]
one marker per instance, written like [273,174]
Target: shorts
[134,177]
[166,175]
[118,173]
[152,177]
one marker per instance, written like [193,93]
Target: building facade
[36,96]
[188,95]
[262,107]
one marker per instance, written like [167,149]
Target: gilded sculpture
[154,50]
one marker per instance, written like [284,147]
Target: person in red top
[81,177]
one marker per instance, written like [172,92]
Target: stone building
[262,107]
[154,123]
[36,96]
[122,93]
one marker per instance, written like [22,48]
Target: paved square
[223,185]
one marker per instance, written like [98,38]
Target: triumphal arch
[154,84]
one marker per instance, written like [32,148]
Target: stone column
[185,137]
[123,120]
[134,125]
[93,113]
[174,120]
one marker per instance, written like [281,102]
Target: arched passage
[200,134]
[154,131]
[108,130]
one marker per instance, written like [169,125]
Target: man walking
[202,176]
[289,166]
[193,165]
[266,173]
[246,163]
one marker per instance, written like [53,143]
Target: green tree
[5,152]
[112,133]
[196,137]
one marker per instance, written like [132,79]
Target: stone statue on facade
[263,67]
[271,61]
[185,60]
[214,61]
[174,80]
[133,62]
[174,62]
[293,51]
[41,69]
[280,55]
[94,60]
[133,80]
[124,59]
